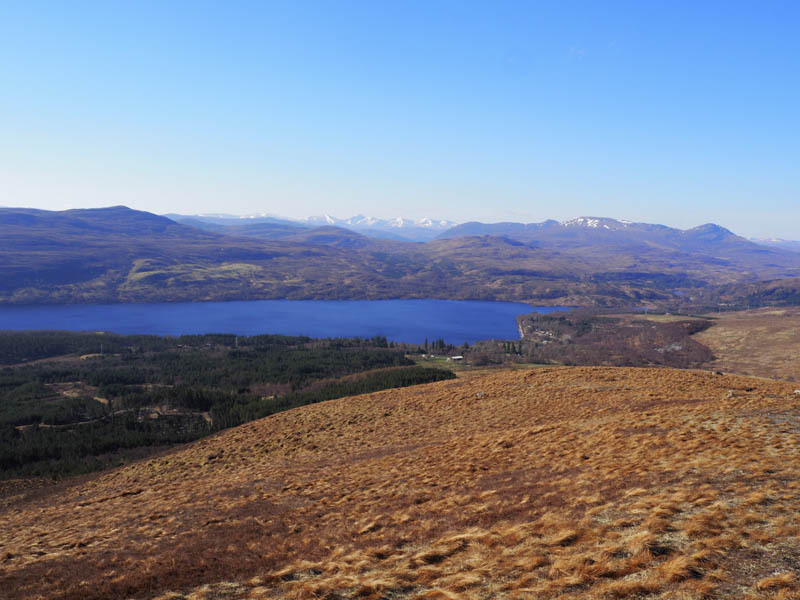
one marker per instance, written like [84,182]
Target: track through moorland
[584,482]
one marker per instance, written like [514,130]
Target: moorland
[570,482]
[73,403]
[762,342]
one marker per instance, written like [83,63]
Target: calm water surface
[399,320]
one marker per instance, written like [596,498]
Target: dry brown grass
[553,483]
[764,342]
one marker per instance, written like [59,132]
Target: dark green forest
[72,403]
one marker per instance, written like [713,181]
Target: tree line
[72,415]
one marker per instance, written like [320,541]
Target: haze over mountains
[792,245]
[117,254]
[400,229]
[425,229]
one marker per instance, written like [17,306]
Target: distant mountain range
[792,245]
[121,255]
[266,226]
[415,230]
[422,230]
[594,230]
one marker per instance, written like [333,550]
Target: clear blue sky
[672,112]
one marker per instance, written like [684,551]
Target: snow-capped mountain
[597,223]
[417,230]
[400,228]
[320,220]
[585,231]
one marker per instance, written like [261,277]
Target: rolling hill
[708,244]
[121,255]
[99,255]
[267,230]
[547,483]
[744,295]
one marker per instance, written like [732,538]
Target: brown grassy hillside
[764,342]
[563,482]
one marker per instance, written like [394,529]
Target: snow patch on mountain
[401,228]
[597,223]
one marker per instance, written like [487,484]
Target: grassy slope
[563,482]
[762,342]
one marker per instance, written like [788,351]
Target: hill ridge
[120,255]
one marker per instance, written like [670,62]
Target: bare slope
[763,342]
[565,482]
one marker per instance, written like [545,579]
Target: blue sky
[672,112]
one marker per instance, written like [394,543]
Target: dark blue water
[399,320]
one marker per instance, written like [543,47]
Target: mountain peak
[399,228]
[112,214]
[711,227]
[710,232]
[596,223]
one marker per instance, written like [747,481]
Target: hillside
[763,342]
[562,482]
[780,292]
[73,403]
[709,247]
[99,254]
[121,255]
[263,230]
[631,340]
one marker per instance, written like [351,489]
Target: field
[659,318]
[583,482]
[763,342]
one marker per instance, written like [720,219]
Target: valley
[399,301]
[615,450]
[236,467]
